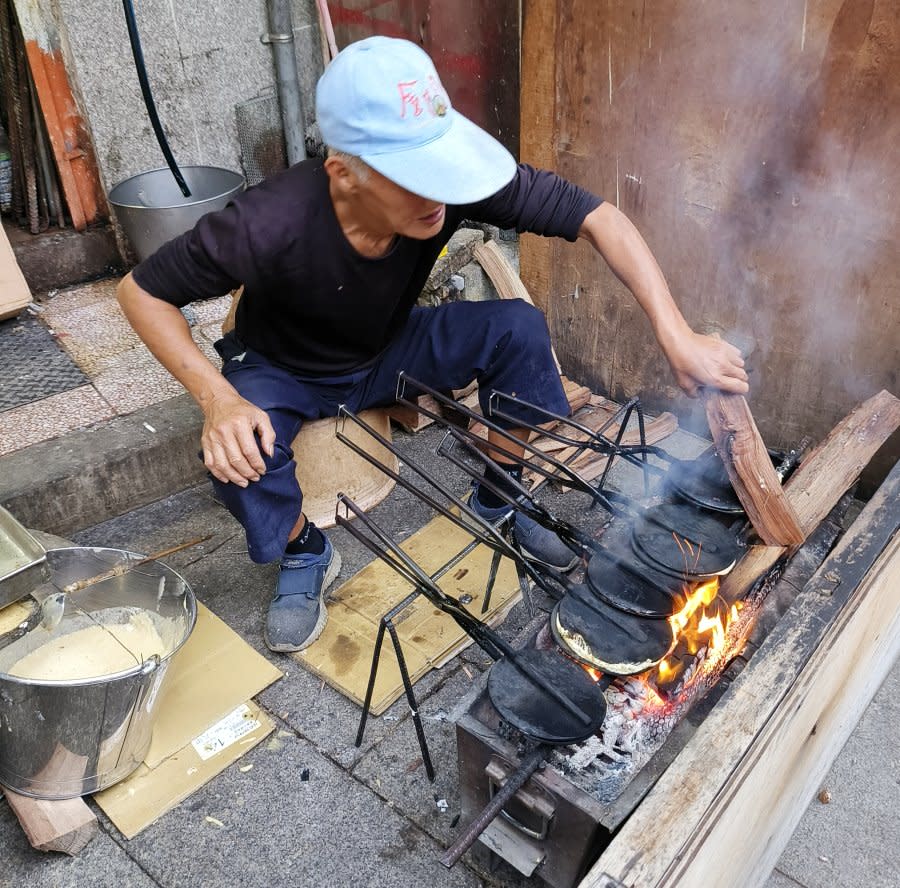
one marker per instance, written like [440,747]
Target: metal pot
[61,739]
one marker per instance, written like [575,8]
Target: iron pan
[612,641]
[704,482]
[653,542]
[534,712]
[631,585]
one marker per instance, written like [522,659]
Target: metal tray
[23,560]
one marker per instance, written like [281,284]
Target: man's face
[397,210]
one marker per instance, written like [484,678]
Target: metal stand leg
[413,706]
[387,623]
[373,672]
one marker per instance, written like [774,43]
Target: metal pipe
[134,38]
[281,38]
[513,784]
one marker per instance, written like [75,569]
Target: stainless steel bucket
[152,210]
[61,739]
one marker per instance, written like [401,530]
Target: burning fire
[702,622]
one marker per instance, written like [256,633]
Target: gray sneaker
[535,540]
[297,614]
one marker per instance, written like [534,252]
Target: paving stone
[780,880]
[854,840]
[395,771]
[51,417]
[279,829]
[102,864]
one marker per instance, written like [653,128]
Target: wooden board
[725,153]
[716,805]
[342,655]
[838,461]
[750,469]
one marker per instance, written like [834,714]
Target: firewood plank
[829,470]
[750,469]
[778,727]
[503,276]
[64,825]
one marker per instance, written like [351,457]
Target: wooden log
[724,810]
[750,469]
[64,825]
[503,276]
[829,470]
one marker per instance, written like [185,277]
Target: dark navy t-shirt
[311,302]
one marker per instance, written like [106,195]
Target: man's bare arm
[696,360]
[230,449]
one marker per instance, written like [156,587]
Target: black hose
[138,54]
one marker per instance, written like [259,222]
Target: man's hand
[229,439]
[698,360]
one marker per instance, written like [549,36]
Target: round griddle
[608,639]
[704,482]
[684,542]
[537,714]
[629,584]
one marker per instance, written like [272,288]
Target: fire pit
[600,690]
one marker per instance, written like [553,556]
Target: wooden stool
[326,467]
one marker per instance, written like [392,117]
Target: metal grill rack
[467,451]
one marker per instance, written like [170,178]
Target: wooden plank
[750,469]
[503,276]
[65,825]
[537,136]
[829,470]
[841,618]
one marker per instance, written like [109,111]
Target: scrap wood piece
[503,276]
[64,825]
[750,469]
[831,468]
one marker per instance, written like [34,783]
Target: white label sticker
[222,734]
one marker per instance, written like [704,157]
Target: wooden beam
[750,469]
[64,825]
[732,797]
[832,467]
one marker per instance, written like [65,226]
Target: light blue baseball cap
[381,100]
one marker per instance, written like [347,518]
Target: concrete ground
[363,816]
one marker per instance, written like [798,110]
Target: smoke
[808,238]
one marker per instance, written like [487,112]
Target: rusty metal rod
[126,566]
[513,784]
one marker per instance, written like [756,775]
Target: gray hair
[355,164]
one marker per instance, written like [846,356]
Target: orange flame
[701,621]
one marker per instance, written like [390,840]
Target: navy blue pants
[504,344]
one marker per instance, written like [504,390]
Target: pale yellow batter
[93,651]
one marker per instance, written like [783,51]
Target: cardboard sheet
[141,799]
[214,672]
[14,291]
[206,721]
[342,655]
